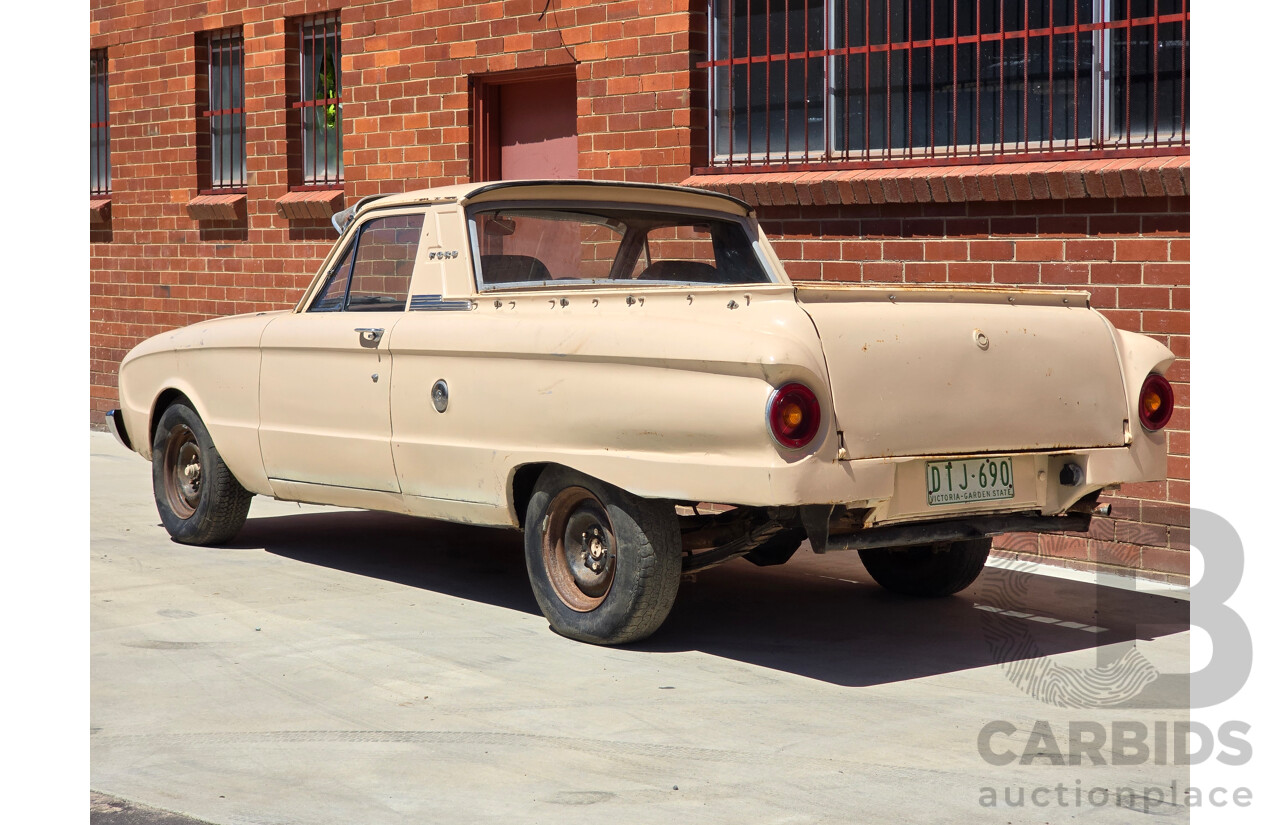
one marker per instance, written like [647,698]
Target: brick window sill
[310,205]
[99,210]
[217,207]
[1055,180]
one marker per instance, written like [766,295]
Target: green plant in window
[326,88]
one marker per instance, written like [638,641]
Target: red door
[526,126]
[539,129]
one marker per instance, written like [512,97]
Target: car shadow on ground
[820,617]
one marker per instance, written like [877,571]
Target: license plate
[965,480]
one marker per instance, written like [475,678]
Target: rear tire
[604,564]
[927,570]
[199,500]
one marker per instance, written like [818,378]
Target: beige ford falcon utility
[626,373]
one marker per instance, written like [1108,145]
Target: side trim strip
[437,303]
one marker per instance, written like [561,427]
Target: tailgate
[938,372]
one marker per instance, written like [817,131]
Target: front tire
[927,570]
[604,564]
[199,500]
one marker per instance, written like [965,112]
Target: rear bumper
[906,535]
[900,496]
[115,423]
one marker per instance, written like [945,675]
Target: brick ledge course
[310,205]
[1059,180]
[99,210]
[217,207]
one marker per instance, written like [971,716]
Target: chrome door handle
[369,336]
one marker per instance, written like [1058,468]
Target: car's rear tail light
[1155,402]
[794,415]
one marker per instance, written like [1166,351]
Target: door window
[374,272]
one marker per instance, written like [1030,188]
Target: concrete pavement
[340,666]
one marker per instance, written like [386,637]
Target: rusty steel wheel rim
[579,550]
[182,471]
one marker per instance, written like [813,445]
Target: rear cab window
[523,244]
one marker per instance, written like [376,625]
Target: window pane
[320,66]
[225,107]
[99,141]
[1148,64]
[333,294]
[711,252]
[775,106]
[523,245]
[227,144]
[321,144]
[383,256]
[934,78]
[384,262]
[527,245]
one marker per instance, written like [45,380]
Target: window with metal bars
[854,83]
[317,98]
[99,129]
[220,86]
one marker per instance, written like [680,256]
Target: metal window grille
[223,110]
[99,129]
[320,103]
[823,84]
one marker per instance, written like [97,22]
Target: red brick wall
[407,124]
[406,116]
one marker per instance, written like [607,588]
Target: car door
[326,371]
[465,379]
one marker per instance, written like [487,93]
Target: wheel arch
[237,446]
[525,477]
[523,480]
[163,401]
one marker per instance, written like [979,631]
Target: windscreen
[524,245]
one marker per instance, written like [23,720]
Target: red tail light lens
[794,415]
[1155,402]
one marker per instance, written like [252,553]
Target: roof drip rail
[341,220]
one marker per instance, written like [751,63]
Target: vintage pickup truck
[626,373]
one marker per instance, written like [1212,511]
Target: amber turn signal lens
[794,415]
[1155,402]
